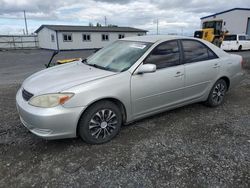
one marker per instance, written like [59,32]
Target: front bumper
[50,123]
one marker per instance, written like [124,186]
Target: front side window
[105,37]
[230,37]
[195,51]
[118,56]
[67,37]
[86,37]
[165,55]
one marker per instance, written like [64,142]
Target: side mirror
[146,68]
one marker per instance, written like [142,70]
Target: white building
[65,37]
[236,20]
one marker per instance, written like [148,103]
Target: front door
[151,92]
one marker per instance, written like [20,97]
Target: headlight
[50,100]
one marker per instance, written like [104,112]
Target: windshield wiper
[98,66]
[93,65]
[84,61]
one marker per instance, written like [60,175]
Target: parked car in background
[236,42]
[128,80]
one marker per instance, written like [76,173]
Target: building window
[67,37]
[105,37]
[140,34]
[121,36]
[86,37]
[52,38]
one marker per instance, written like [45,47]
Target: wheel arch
[227,80]
[116,101]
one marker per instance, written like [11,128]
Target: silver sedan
[128,80]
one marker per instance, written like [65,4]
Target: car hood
[61,77]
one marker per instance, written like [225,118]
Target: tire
[100,123]
[240,48]
[217,93]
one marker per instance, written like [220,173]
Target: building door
[248,27]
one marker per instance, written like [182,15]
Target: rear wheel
[100,123]
[240,48]
[217,93]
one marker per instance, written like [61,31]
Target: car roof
[155,38]
[162,38]
[236,34]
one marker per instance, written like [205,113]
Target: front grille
[26,95]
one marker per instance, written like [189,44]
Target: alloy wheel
[103,123]
[218,93]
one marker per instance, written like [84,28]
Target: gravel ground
[192,146]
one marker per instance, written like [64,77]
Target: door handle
[178,74]
[216,65]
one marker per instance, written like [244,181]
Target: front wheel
[100,123]
[217,93]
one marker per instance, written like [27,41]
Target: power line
[157,25]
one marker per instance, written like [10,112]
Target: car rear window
[230,37]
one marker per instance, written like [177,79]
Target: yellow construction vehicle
[211,31]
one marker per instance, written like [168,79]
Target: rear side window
[230,37]
[195,51]
[164,55]
[242,37]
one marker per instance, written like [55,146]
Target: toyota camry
[130,79]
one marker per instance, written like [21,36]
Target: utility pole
[26,27]
[105,20]
[157,25]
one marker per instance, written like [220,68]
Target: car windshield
[230,37]
[118,56]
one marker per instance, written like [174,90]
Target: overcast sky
[175,16]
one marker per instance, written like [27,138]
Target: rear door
[248,41]
[243,42]
[201,68]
